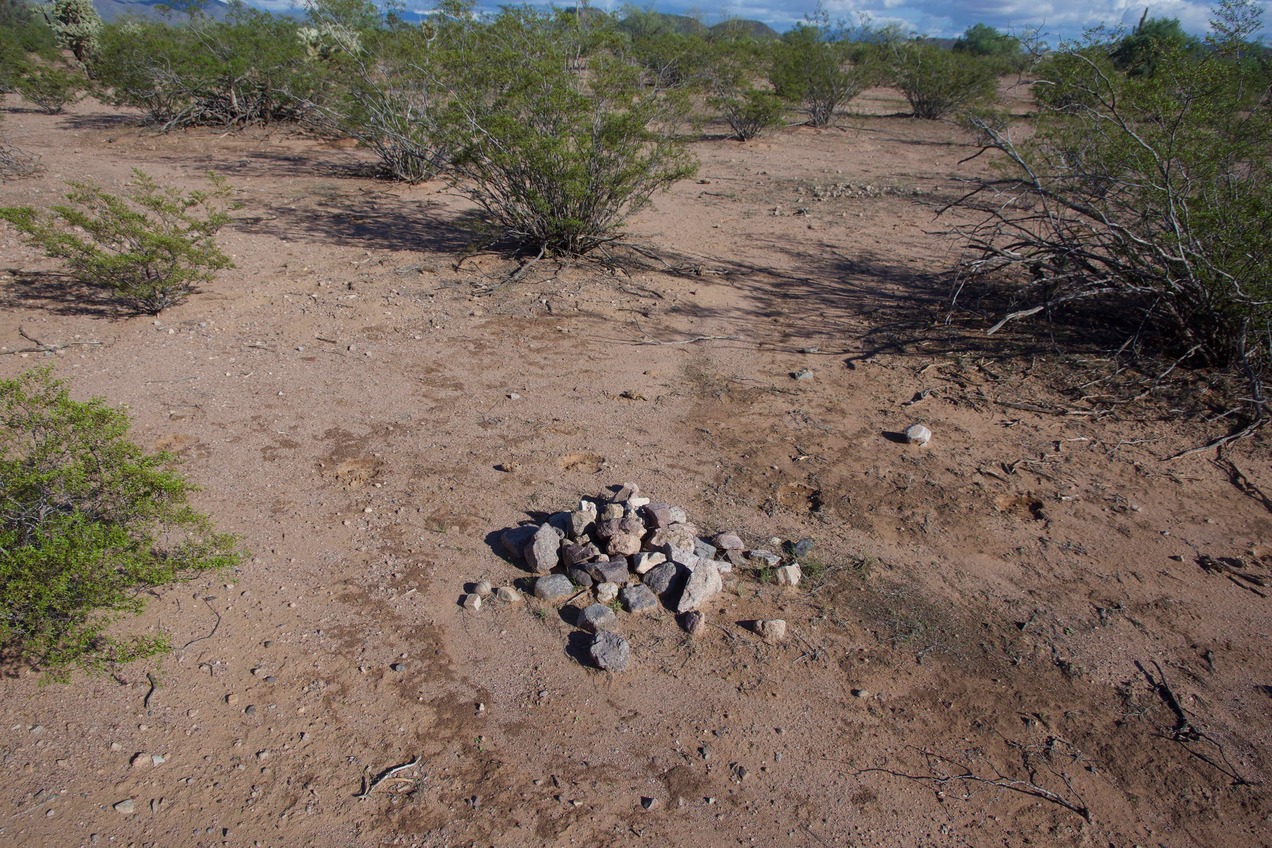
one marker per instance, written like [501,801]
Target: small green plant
[151,247]
[50,88]
[813,66]
[87,522]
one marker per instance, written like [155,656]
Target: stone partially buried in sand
[597,617]
[553,587]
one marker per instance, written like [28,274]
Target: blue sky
[937,18]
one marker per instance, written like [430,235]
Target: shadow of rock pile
[627,553]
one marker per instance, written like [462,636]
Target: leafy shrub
[812,65]
[87,522]
[150,247]
[1153,190]
[23,33]
[557,144]
[50,87]
[939,82]
[251,68]
[748,109]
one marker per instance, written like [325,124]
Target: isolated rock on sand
[789,575]
[773,629]
[610,651]
[917,434]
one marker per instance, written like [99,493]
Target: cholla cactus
[76,24]
[323,41]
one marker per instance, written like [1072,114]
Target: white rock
[483,589]
[917,434]
[645,560]
[507,594]
[789,575]
[773,630]
[704,583]
[472,602]
[606,592]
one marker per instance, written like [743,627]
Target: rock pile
[636,554]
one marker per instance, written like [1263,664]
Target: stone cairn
[625,550]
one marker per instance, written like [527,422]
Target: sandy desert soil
[982,653]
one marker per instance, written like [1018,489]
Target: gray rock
[723,566]
[563,523]
[606,592]
[516,538]
[483,589]
[612,511]
[542,554]
[703,584]
[507,595]
[802,374]
[637,502]
[627,492]
[645,560]
[917,434]
[597,617]
[773,630]
[679,516]
[693,622]
[609,527]
[736,558]
[580,576]
[658,515]
[704,549]
[126,807]
[638,598]
[673,539]
[553,587]
[665,579]
[608,571]
[610,651]
[764,558]
[623,544]
[472,602]
[728,541]
[582,519]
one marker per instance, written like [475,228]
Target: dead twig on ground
[211,632]
[944,771]
[1243,483]
[369,785]
[694,340]
[45,347]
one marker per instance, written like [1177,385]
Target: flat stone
[606,592]
[723,566]
[703,584]
[917,434]
[542,554]
[483,589]
[773,629]
[626,493]
[727,541]
[736,558]
[638,598]
[472,602]
[623,544]
[764,558]
[636,502]
[665,579]
[608,571]
[576,554]
[789,575]
[553,587]
[693,622]
[704,549]
[597,617]
[610,651]
[678,515]
[516,538]
[645,560]
[126,807]
[507,595]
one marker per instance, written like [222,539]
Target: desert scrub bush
[14,162]
[50,87]
[553,134]
[77,26]
[1147,192]
[747,108]
[150,247]
[938,82]
[88,521]
[813,65]
[23,34]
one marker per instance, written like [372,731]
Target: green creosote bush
[151,247]
[88,522]
[939,82]
[553,134]
[814,65]
[1152,193]
[50,87]
[748,109]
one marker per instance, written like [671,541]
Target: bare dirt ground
[999,641]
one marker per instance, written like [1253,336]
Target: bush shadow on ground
[59,293]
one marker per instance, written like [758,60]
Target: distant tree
[984,40]
[1138,53]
